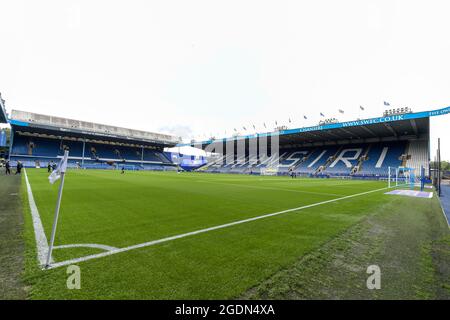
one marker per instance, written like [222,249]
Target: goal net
[269,171]
[401,176]
[128,167]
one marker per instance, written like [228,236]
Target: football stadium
[221,159]
[290,214]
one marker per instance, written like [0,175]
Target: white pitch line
[39,234]
[184,235]
[86,245]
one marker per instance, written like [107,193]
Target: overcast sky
[196,68]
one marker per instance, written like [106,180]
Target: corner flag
[57,174]
[61,168]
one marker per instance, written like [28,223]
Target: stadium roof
[33,122]
[3,115]
[392,127]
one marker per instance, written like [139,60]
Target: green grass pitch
[107,208]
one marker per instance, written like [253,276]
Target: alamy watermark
[74,278]
[374,280]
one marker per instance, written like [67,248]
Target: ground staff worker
[7,167]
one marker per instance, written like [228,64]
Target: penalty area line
[188,234]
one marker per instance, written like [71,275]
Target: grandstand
[363,159]
[40,139]
[361,148]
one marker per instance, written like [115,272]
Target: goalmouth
[401,176]
[269,171]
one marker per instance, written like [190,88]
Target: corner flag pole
[389,177]
[63,165]
[397,171]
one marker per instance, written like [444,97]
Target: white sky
[196,68]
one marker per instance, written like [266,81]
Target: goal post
[128,167]
[268,171]
[401,176]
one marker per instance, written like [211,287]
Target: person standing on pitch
[19,167]
[7,168]
[49,168]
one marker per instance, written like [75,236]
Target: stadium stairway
[305,159]
[356,169]
[321,169]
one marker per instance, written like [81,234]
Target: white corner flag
[57,174]
[61,168]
